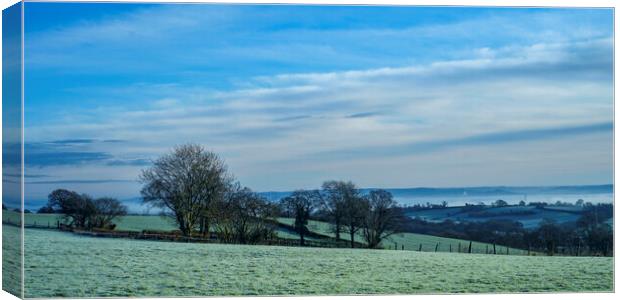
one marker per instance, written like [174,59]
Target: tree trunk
[337,230]
[202,226]
[186,228]
[183,229]
[207,228]
[352,239]
[578,247]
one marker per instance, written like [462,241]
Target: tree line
[374,216]
[82,211]
[196,189]
[496,203]
[591,234]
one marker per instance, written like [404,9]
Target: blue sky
[11,106]
[291,96]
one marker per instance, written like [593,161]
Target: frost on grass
[62,264]
[11,259]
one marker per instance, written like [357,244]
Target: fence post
[402,247]
[487,249]
[450,248]
[578,247]
[420,249]
[469,246]
[507,251]
[494,252]
[436,247]
[459,247]
[395,246]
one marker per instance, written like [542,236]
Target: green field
[11,260]
[60,264]
[126,223]
[412,241]
[529,216]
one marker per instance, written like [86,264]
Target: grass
[532,220]
[126,223]
[60,264]
[573,208]
[411,241]
[11,260]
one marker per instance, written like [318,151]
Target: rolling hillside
[529,216]
[412,241]
[134,268]
[126,223]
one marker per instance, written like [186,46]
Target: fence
[460,248]
[174,237]
[326,242]
[145,235]
[45,225]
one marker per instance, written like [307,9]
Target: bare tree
[333,202]
[185,183]
[77,209]
[107,209]
[382,218]
[243,216]
[221,213]
[82,211]
[550,235]
[300,205]
[354,211]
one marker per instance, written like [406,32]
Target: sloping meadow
[60,264]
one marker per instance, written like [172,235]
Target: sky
[290,96]
[11,106]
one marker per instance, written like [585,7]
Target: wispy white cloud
[210,33]
[281,130]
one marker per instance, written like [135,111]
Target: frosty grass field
[62,264]
[411,241]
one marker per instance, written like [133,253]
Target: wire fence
[328,242]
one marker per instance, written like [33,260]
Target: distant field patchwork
[529,216]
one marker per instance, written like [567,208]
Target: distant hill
[478,191]
[408,196]
[529,216]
